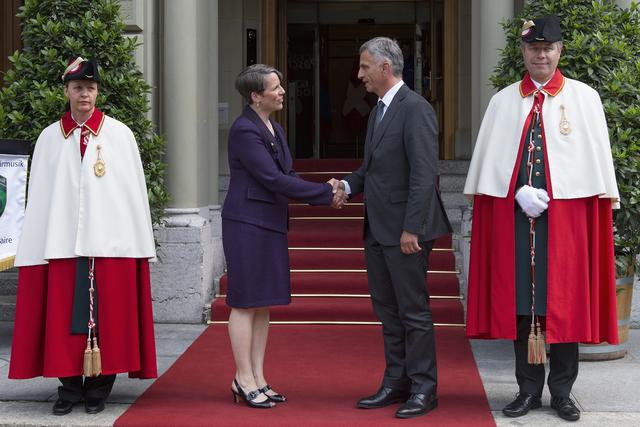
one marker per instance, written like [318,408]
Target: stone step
[8,281]
[7,308]
[455,200]
[452,183]
[456,227]
[453,167]
[454,214]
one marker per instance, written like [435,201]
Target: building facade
[191,51]
[450,49]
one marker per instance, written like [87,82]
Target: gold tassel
[541,348]
[7,263]
[87,367]
[96,360]
[531,347]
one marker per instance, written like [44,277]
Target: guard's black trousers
[73,389]
[563,364]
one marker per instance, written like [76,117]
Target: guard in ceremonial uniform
[84,295]
[542,263]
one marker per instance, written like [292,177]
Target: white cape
[580,163]
[72,212]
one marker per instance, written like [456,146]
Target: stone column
[180,94]
[216,156]
[183,275]
[213,78]
[181,280]
[463,132]
[487,38]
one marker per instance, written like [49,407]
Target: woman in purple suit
[254,228]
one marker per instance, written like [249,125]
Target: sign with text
[13,185]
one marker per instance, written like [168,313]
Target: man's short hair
[383,48]
[251,79]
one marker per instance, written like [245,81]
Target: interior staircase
[328,275]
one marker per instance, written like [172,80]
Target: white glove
[533,201]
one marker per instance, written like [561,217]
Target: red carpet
[344,309]
[355,283]
[333,233]
[354,259]
[323,370]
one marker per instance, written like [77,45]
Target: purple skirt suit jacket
[255,212]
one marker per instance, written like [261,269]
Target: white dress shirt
[386,100]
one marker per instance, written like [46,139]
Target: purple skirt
[257,265]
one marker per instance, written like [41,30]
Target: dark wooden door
[10,40]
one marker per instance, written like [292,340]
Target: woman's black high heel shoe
[277,398]
[239,395]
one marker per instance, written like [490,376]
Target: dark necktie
[379,113]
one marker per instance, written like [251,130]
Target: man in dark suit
[403,216]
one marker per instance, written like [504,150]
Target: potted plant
[601,49]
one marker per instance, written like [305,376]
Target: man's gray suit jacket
[399,172]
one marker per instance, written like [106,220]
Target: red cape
[42,341]
[581,298]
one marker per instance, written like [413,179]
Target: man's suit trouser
[563,364]
[401,302]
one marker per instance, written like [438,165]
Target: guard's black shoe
[522,404]
[565,408]
[383,397]
[62,407]
[418,404]
[93,406]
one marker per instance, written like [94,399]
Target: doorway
[10,34]
[327,106]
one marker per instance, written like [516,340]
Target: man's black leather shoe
[565,408]
[383,397]
[62,407]
[522,404]
[418,404]
[93,406]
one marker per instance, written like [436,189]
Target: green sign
[3,194]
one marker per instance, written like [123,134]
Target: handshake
[340,196]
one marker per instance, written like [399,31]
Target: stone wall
[190,258]
[464,245]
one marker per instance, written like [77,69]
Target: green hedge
[32,96]
[601,49]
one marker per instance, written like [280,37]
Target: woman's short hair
[382,48]
[251,79]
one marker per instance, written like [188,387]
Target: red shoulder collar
[94,124]
[553,86]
